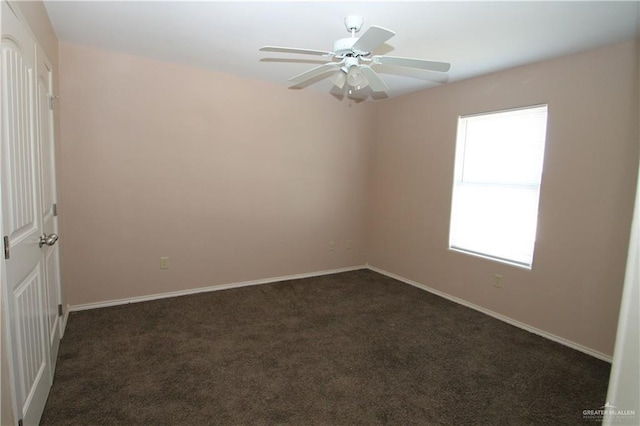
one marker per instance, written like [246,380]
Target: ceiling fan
[350,64]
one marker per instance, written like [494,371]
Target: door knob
[48,240]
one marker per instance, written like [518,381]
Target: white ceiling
[475,37]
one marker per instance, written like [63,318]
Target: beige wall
[36,17]
[591,162]
[232,179]
[237,180]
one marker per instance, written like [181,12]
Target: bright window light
[496,187]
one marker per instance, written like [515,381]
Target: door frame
[49,217]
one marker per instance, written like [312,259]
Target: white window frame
[473,233]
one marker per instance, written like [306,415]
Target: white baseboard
[542,333]
[138,299]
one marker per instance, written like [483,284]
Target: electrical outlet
[332,245]
[497,280]
[164,263]
[349,244]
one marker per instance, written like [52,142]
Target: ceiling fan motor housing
[344,46]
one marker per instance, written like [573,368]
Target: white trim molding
[516,323]
[138,299]
[526,327]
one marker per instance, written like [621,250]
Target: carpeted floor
[350,348]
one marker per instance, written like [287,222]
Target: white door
[24,289]
[50,257]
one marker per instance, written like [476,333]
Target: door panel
[30,348]
[22,223]
[19,153]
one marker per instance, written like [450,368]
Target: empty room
[320,212]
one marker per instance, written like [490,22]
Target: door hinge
[59,310]
[55,209]
[7,248]
[51,99]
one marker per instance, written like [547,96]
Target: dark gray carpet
[350,348]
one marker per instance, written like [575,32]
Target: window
[498,169]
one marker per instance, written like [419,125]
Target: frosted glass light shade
[355,78]
[339,79]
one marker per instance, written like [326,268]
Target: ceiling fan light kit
[350,63]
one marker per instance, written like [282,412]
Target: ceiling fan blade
[412,63]
[417,73]
[314,72]
[376,84]
[295,50]
[298,60]
[373,38]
